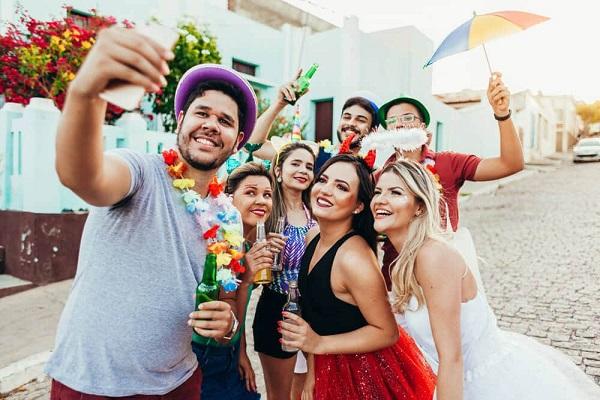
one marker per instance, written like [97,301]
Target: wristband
[507,116]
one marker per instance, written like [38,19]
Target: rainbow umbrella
[483,28]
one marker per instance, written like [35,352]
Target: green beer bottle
[303,82]
[207,290]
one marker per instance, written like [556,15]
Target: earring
[355,212]
[279,179]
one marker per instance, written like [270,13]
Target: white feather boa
[386,142]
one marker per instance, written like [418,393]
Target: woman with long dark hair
[293,176]
[356,350]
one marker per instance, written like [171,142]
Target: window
[244,67]
[80,18]
[323,119]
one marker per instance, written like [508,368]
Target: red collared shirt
[453,169]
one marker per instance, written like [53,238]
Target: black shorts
[268,314]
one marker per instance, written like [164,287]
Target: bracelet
[251,148]
[507,116]
[234,327]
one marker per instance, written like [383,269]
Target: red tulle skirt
[396,372]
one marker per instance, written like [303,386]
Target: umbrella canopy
[483,28]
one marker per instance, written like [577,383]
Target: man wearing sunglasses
[452,169]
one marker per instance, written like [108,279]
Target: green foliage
[589,113]
[282,123]
[194,46]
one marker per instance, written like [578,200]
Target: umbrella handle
[487,59]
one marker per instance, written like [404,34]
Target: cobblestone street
[540,238]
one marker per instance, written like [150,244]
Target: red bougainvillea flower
[41,58]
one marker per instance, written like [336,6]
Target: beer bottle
[292,306]
[207,290]
[263,276]
[303,82]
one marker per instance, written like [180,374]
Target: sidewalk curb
[493,187]
[23,371]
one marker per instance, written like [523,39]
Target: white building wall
[476,132]
[386,63]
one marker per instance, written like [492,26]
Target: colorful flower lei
[218,219]
[429,164]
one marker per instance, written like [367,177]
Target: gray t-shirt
[124,327]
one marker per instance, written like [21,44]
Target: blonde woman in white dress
[436,296]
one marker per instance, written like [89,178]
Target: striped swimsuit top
[292,254]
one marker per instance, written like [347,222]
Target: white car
[587,150]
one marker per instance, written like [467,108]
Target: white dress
[501,365]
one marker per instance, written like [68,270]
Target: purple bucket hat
[204,72]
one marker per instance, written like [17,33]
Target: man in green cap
[452,169]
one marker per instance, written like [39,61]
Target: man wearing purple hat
[126,328]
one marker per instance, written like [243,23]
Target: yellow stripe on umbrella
[483,28]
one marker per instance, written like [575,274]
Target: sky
[559,56]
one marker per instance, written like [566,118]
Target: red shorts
[190,389]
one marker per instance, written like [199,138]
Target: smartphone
[127,95]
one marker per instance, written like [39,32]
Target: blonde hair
[424,226]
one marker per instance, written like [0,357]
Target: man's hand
[498,95]
[212,320]
[287,92]
[124,55]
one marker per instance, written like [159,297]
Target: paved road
[541,239]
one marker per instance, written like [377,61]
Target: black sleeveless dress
[396,372]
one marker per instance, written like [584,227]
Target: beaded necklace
[219,221]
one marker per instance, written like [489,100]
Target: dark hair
[362,223]
[223,87]
[279,208]
[364,104]
[242,172]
